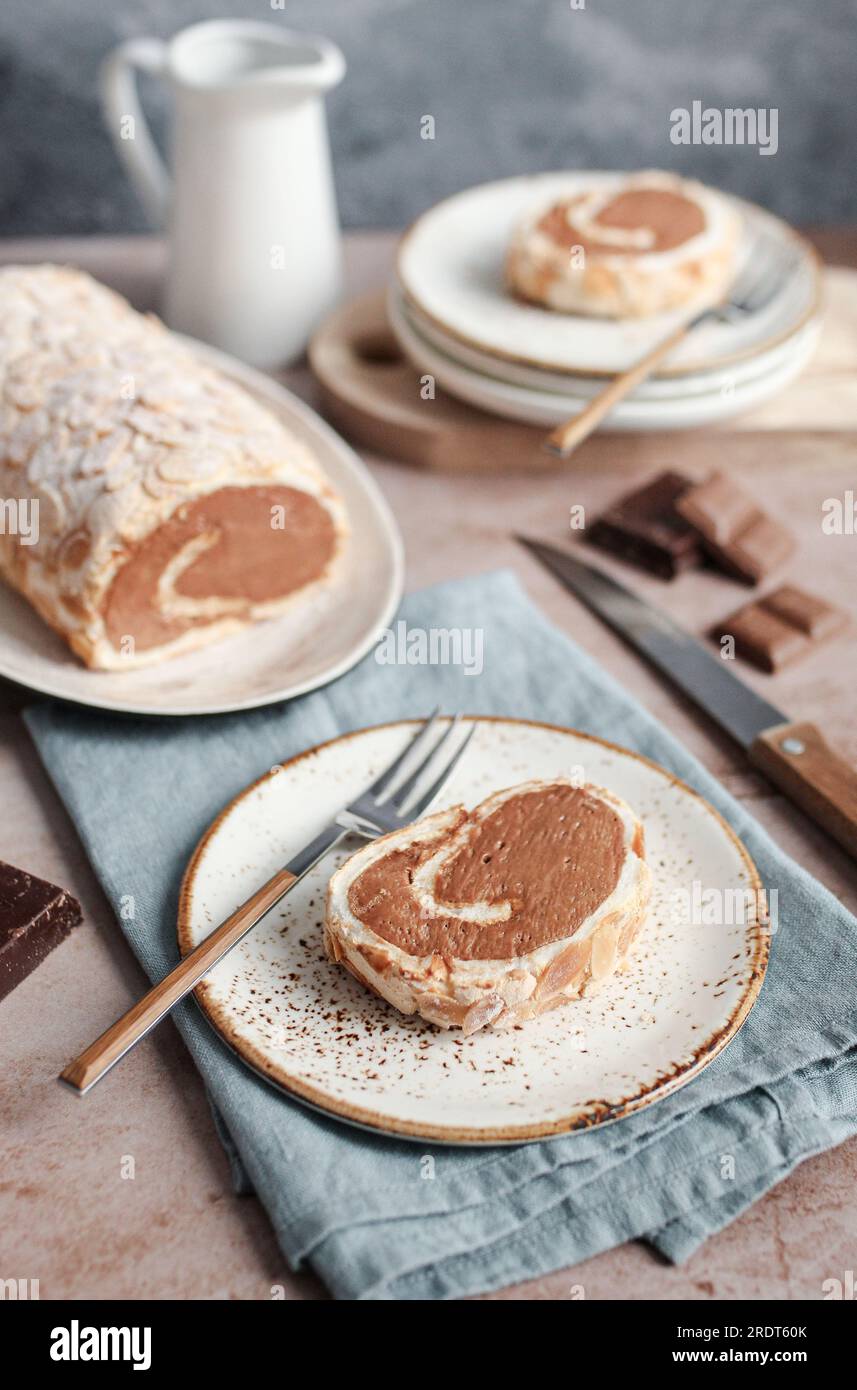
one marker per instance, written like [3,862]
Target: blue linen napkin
[357,1207]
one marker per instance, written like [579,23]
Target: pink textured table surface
[69,1214]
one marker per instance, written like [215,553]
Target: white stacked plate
[454,318]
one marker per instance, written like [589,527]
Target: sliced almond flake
[122,475]
[23,392]
[480,1014]
[106,454]
[9,418]
[24,439]
[42,462]
[448,1013]
[180,466]
[52,512]
[604,947]
[156,486]
[156,427]
[74,549]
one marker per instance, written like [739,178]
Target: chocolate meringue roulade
[633,245]
[492,916]
[172,508]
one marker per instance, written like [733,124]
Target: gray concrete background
[514,85]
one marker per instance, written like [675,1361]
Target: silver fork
[750,293]
[752,289]
[395,798]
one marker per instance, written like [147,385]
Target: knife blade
[703,677]
[795,756]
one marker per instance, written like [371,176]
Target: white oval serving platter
[324,636]
[310,1029]
[450,265]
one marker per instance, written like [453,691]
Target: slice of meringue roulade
[628,246]
[172,508]
[490,917]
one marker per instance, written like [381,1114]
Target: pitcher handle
[127,125]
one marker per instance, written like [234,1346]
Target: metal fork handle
[566,437]
[97,1059]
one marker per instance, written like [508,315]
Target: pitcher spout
[232,55]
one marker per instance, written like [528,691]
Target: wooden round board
[378,398]
[309,1028]
[372,394]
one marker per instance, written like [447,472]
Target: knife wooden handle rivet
[800,762]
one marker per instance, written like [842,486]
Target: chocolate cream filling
[216,557]
[554,855]
[671,219]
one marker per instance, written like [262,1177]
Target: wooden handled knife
[794,756]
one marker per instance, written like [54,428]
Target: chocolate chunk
[741,538]
[782,627]
[763,638]
[35,916]
[814,616]
[645,528]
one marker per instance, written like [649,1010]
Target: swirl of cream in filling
[638,219]
[529,873]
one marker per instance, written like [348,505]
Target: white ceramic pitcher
[255,253]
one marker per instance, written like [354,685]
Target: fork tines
[767,266]
[396,785]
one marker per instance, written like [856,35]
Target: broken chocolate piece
[814,616]
[782,627]
[35,916]
[646,528]
[741,538]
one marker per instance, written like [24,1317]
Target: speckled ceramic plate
[450,266]
[547,407]
[275,660]
[310,1029]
